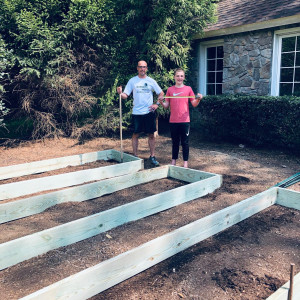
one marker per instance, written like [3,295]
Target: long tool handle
[121,136]
[290,293]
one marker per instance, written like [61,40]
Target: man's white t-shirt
[142,89]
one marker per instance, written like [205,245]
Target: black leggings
[180,132]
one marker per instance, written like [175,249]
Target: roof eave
[249,27]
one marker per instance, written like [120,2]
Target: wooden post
[121,137]
[290,294]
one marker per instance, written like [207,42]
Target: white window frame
[203,62]
[276,61]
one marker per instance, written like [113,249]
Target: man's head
[142,69]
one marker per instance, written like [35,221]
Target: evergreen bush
[256,120]
[68,56]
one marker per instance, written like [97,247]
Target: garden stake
[121,138]
[290,294]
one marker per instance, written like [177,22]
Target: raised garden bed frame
[98,278]
[113,271]
[129,164]
[18,250]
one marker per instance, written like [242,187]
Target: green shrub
[256,120]
[65,57]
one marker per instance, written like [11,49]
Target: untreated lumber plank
[282,293]
[288,198]
[96,279]
[56,163]
[11,190]
[29,206]
[18,250]
[191,176]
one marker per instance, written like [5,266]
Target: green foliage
[4,78]
[66,57]
[256,120]
[159,32]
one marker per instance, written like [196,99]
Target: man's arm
[165,103]
[155,106]
[123,95]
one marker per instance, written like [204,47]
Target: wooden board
[93,280]
[18,250]
[131,164]
[282,293]
[288,198]
[60,162]
[29,206]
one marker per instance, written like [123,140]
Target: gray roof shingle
[233,13]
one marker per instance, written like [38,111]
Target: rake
[289,181]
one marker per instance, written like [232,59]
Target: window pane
[287,75]
[220,52]
[214,71]
[220,64]
[288,44]
[290,66]
[286,89]
[210,89]
[287,59]
[211,77]
[219,77]
[297,74]
[211,52]
[211,65]
[298,58]
[297,89]
[218,89]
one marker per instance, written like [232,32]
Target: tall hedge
[256,120]
[67,57]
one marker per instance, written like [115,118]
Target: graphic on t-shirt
[143,88]
[176,94]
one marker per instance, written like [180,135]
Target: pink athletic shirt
[179,107]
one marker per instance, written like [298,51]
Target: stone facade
[247,63]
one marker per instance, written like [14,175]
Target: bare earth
[246,262]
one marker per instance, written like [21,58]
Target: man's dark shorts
[144,123]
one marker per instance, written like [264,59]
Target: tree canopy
[60,60]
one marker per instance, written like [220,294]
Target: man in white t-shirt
[143,112]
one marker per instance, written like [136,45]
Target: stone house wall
[246,66]
[247,63]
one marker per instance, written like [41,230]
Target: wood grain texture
[96,279]
[29,206]
[282,292]
[59,162]
[27,187]
[288,198]
[18,250]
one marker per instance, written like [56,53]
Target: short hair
[142,61]
[179,70]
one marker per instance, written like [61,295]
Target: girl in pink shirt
[180,115]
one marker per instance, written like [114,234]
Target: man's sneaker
[153,161]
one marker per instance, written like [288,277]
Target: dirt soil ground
[245,262]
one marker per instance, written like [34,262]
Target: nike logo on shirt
[176,94]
